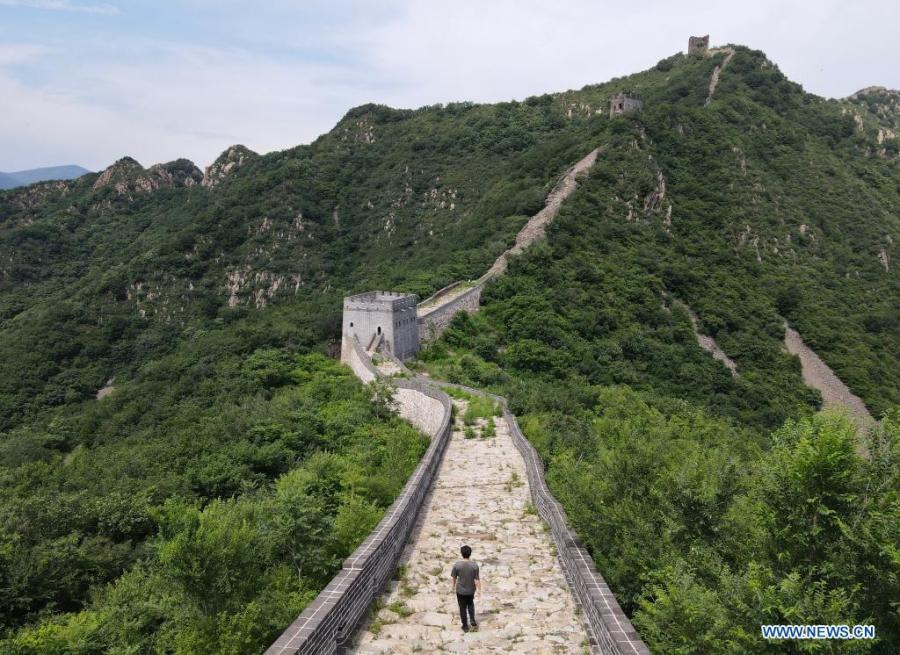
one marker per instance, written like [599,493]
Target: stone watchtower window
[379,329]
[351,323]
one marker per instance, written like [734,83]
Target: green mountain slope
[160,286]
[764,204]
[198,296]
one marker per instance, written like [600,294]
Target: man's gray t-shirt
[466,573]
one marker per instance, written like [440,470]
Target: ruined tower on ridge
[622,103]
[698,45]
[383,319]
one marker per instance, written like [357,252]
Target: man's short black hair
[466,552]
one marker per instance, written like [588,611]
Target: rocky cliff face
[128,178]
[226,164]
[876,115]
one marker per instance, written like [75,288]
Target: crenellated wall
[356,358]
[332,617]
[610,631]
[330,620]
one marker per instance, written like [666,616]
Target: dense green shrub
[216,533]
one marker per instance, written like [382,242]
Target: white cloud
[63,5]
[17,53]
[100,96]
[183,101]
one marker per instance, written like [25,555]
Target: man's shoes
[465,628]
[474,626]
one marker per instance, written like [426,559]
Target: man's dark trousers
[466,602]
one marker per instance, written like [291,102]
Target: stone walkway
[480,498]
[433,303]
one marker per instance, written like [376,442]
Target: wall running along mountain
[205,296]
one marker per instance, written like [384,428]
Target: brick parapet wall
[441,292]
[433,323]
[610,631]
[331,619]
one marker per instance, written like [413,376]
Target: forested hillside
[165,516]
[714,503]
[160,385]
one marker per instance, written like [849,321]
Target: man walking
[466,584]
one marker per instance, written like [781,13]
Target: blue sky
[86,82]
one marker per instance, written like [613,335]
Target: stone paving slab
[480,498]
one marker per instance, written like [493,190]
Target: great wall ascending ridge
[436,312]
[533,601]
[542,592]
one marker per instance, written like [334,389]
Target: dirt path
[480,498]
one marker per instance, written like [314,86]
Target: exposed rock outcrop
[128,178]
[122,172]
[709,344]
[106,390]
[181,172]
[226,164]
[876,115]
[33,195]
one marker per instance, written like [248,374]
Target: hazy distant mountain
[22,178]
[8,181]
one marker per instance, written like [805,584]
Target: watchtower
[383,318]
[622,103]
[698,45]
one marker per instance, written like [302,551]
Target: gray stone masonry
[386,314]
[480,497]
[434,321]
[389,319]
[330,620]
[610,631]
[623,103]
[698,45]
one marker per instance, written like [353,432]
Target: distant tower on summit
[622,103]
[698,45]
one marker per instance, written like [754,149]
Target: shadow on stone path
[480,498]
